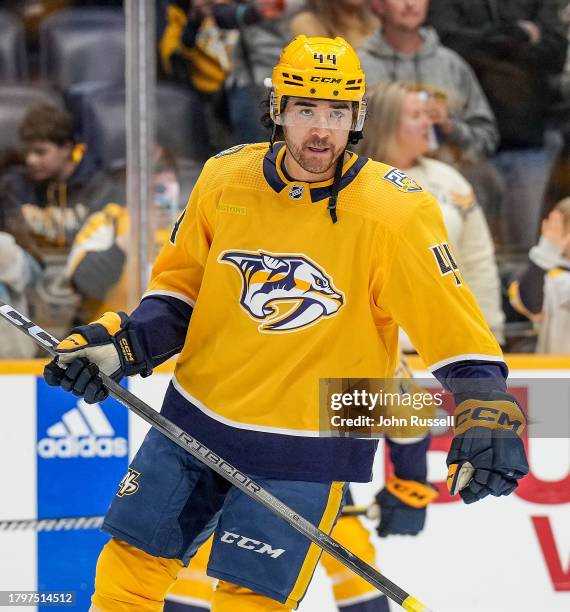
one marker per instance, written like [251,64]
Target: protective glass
[327,118]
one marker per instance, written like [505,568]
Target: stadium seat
[104,129]
[13,66]
[86,44]
[14,102]
[75,98]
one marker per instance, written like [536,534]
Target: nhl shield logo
[296,192]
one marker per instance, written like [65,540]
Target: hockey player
[290,263]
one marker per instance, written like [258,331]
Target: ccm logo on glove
[492,414]
[126,350]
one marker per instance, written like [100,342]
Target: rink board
[505,555]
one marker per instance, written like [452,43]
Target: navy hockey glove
[105,346]
[487,456]
[403,506]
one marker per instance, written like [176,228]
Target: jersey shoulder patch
[402,181]
[230,151]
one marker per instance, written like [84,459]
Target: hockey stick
[71,523]
[230,473]
[63,523]
[371,512]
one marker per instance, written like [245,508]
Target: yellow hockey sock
[130,580]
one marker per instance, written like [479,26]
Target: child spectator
[56,189]
[398,133]
[59,184]
[543,291]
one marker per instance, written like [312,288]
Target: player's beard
[315,163]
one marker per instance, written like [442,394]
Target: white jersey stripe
[238,425]
[179,296]
[456,358]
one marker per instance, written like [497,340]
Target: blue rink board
[82,455]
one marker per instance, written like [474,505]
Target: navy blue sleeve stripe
[173,294]
[471,378]
[160,323]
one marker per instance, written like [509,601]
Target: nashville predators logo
[129,485]
[401,181]
[287,292]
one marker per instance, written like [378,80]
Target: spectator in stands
[96,266]
[261,43]
[196,48]
[19,270]
[59,184]
[514,47]
[398,133]
[543,291]
[259,47]
[406,50]
[56,189]
[351,19]
[195,51]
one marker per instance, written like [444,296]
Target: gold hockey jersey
[282,297]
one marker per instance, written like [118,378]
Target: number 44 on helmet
[322,69]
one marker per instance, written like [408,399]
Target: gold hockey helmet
[319,68]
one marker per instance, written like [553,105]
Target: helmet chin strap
[272,138]
[335,187]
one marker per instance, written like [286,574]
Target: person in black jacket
[514,46]
[56,188]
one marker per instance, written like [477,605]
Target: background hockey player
[290,263]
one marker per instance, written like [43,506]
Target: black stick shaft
[230,473]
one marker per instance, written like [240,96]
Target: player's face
[46,160]
[402,14]
[414,127]
[317,133]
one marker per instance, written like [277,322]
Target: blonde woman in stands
[351,19]
[399,133]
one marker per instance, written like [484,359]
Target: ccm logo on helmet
[318,79]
